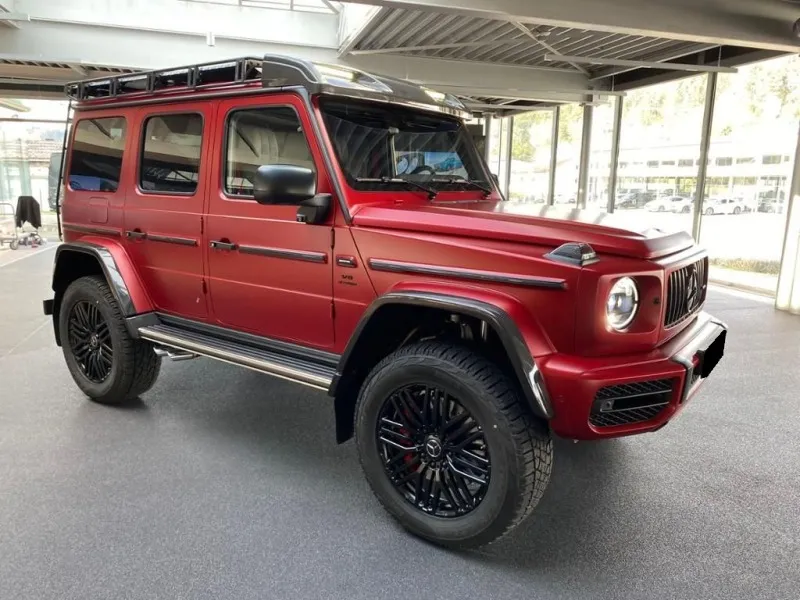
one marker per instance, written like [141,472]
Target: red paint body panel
[524,223]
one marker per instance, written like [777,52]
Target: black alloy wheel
[448,445]
[107,363]
[90,341]
[434,451]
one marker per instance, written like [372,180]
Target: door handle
[223,245]
[136,234]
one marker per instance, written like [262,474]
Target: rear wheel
[709,211]
[448,446]
[737,210]
[108,364]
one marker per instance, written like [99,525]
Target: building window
[652,163]
[668,163]
[724,161]
[771,159]
[745,161]
[262,136]
[96,162]
[685,162]
[171,154]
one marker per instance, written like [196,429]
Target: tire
[13,244]
[98,325]
[661,209]
[685,209]
[709,211]
[518,446]
[737,210]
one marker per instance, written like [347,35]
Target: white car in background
[723,206]
[670,204]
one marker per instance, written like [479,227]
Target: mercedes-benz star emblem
[433,447]
[692,290]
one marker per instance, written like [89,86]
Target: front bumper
[596,398]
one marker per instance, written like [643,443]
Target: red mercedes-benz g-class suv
[340,230]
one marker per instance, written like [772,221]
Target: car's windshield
[379,144]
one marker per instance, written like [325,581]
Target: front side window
[171,154]
[97,148]
[376,142]
[262,136]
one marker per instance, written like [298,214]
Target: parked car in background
[635,199]
[669,204]
[724,206]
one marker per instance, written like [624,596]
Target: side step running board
[286,367]
[174,354]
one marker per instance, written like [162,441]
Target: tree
[521,146]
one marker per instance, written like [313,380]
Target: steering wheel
[420,169]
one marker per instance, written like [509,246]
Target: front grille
[628,403]
[680,302]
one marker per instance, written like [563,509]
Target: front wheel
[449,447]
[737,210]
[709,211]
[108,364]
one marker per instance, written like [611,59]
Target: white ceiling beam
[197,19]
[639,64]
[764,24]
[355,21]
[13,19]
[675,54]
[537,40]
[400,49]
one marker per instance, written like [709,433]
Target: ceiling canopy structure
[497,55]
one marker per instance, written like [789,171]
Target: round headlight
[622,304]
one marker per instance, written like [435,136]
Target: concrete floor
[223,483]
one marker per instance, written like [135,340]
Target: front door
[164,210]
[268,274]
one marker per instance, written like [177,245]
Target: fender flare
[117,270]
[495,313]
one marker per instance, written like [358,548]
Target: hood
[620,234]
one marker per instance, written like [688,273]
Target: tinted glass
[97,149]
[171,154]
[262,136]
[374,141]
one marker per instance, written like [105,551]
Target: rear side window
[97,148]
[262,136]
[171,154]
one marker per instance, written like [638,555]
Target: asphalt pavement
[226,484]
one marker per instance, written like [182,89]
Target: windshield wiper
[430,191]
[472,182]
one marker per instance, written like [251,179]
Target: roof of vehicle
[272,72]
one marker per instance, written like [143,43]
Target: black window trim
[68,163]
[226,137]
[140,153]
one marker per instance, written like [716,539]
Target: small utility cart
[8,226]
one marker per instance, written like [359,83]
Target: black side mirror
[314,210]
[284,184]
[496,179]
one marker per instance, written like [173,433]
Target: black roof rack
[273,71]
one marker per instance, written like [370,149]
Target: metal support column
[586,148]
[615,135]
[508,150]
[788,296]
[705,141]
[551,185]
[488,122]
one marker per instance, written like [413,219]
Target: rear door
[268,274]
[164,207]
